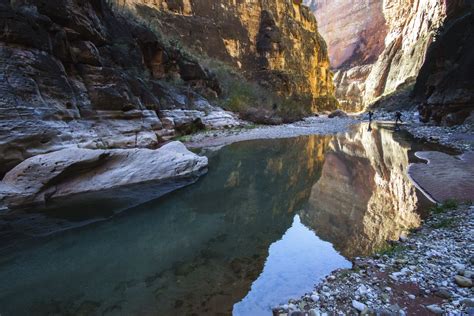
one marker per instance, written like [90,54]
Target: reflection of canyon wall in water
[364,196]
[183,254]
[266,184]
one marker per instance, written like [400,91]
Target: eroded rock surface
[445,83]
[76,74]
[355,32]
[73,171]
[273,42]
[378,47]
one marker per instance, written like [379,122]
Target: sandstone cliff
[274,42]
[445,84]
[83,74]
[393,36]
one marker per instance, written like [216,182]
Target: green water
[270,219]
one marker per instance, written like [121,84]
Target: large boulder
[74,171]
[338,113]
[188,121]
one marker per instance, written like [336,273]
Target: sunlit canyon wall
[376,46]
[273,42]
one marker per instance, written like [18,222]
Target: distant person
[398,118]
[371,114]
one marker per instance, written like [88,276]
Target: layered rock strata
[273,42]
[75,74]
[85,74]
[378,47]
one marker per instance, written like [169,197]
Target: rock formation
[445,84]
[74,171]
[378,47]
[75,74]
[273,42]
[100,74]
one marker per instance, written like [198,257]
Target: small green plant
[345,273]
[251,126]
[447,205]
[445,223]
[183,138]
[391,250]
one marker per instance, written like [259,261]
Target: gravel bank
[321,125]
[429,272]
[458,137]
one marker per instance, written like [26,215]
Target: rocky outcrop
[355,32]
[103,74]
[380,45]
[275,43]
[412,27]
[76,74]
[444,86]
[69,172]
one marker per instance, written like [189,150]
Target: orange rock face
[273,42]
[378,45]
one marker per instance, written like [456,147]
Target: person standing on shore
[371,114]
[398,118]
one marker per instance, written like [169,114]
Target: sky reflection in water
[291,269]
[266,223]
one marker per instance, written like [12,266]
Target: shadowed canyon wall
[83,74]
[445,84]
[377,47]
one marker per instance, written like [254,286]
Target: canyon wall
[355,32]
[445,84]
[101,75]
[274,42]
[376,46]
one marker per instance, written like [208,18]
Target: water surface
[270,219]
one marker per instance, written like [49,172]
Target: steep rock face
[74,73]
[355,32]
[82,74]
[273,42]
[444,86]
[394,36]
[413,25]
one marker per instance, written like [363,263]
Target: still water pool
[270,219]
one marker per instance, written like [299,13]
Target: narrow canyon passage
[270,219]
